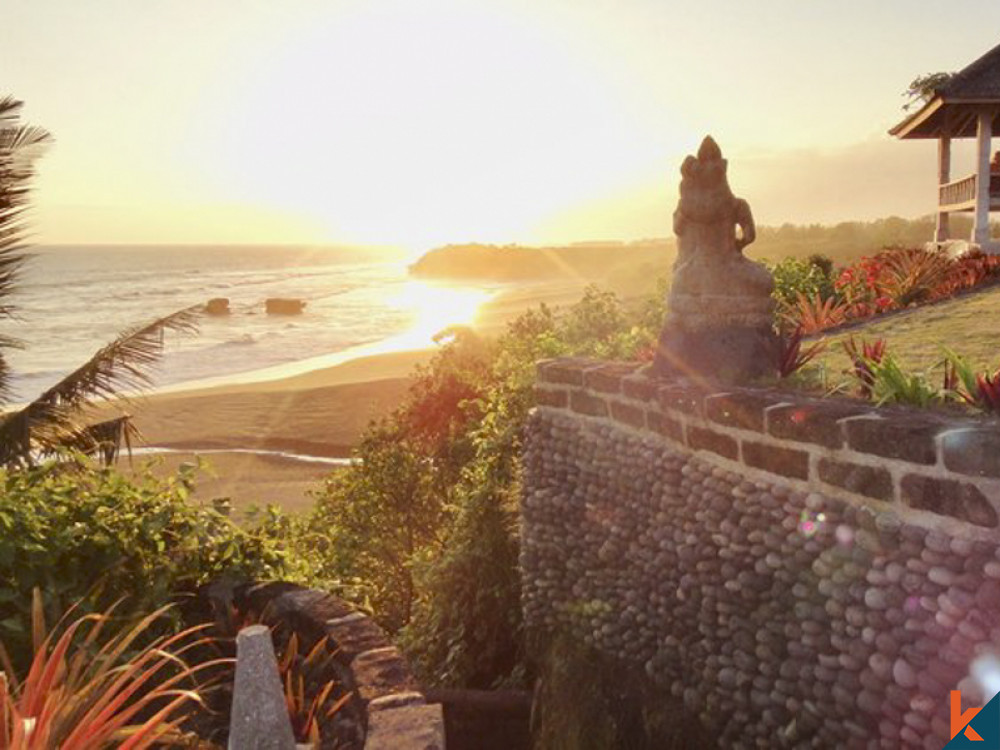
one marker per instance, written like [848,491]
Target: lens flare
[985,671]
[810,524]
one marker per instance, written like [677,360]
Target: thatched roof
[958,102]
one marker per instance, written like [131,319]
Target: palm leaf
[104,440]
[20,146]
[53,420]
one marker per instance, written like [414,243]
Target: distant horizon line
[390,246]
[403,248]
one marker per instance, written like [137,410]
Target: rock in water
[284,306]
[259,718]
[719,309]
[217,306]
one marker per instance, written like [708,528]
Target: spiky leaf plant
[92,687]
[792,357]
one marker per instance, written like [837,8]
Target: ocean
[72,300]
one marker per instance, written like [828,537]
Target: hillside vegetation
[633,267]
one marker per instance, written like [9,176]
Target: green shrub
[93,534]
[428,516]
[586,700]
[794,277]
[467,624]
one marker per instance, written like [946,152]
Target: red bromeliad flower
[883,303]
[813,314]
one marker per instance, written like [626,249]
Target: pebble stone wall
[801,573]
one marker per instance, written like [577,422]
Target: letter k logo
[960,720]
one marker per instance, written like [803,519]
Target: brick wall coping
[930,467]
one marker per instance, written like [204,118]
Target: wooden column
[981,225]
[942,233]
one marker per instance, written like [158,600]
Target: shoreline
[246,425]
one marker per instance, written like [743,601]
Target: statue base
[727,353]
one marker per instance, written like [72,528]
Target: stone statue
[719,309]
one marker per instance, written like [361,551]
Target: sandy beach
[316,413]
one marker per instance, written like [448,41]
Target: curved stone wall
[389,711]
[803,573]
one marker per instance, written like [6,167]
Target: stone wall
[801,572]
[389,711]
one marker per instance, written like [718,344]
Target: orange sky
[415,124]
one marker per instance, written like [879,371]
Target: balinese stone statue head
[705,192]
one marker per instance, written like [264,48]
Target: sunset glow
[391,122]
[434,308]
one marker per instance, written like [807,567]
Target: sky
[421,122]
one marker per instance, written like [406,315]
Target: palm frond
[6,392]
[104,440]
[10,109]
[20,147]
[53,420]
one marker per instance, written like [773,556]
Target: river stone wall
[803,573]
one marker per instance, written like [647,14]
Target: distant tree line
[631,262]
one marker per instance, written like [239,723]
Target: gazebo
[967,106]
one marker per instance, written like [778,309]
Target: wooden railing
[957,192]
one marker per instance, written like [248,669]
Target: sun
[434,308]
[414,125]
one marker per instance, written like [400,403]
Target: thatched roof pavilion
[966,106]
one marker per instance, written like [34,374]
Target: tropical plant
[380,512]
[809,278]
[814,314]
[972,270]
[911,276]
[92,687]
[892,384]
[311,699]
[865,358]
[988,387]
[57,418]
[792,358]
[313,693]
[964,383]
[20,147]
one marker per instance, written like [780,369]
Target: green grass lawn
[970,325]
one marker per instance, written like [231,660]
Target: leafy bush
[428,517]
[379,514]
[585,700]
[93,534]
[794,277]
[893,385]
